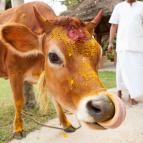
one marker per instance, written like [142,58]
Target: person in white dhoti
[127,21]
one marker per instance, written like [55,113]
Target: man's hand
[113,31]
[110,47]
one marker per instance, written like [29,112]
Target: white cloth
[119,78]
[130,72]
[130,26]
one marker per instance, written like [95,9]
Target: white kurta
[129,46]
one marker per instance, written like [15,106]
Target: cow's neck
[32,75]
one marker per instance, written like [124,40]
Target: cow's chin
[95,126]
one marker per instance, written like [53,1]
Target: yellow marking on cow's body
[72,82]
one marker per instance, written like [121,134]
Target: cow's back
[24,14]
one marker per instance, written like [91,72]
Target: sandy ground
[131,131]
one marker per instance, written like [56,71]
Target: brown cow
[34,42]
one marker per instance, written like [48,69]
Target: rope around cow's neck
[29,115]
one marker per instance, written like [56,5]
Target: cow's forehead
[87,48]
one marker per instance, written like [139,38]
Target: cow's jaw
[115,118]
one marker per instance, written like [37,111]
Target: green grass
[108,78]
[7,109]
[7,113]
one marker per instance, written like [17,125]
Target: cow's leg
[63,119]
[29,96]
[16,81]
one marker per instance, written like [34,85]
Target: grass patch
[7,109]
[108,78]
[7,113]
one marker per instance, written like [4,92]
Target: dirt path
[131,131]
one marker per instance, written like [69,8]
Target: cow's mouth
[119,116]
[111,114]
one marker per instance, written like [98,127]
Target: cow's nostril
[93,108]
[101,108]
[97,110]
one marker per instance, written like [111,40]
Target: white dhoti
[130,72]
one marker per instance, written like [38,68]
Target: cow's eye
[54,58]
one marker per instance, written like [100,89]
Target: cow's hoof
[70,129]
[19,135]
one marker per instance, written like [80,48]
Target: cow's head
[71,57]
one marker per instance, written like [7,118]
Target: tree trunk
[2,5]
[16,2]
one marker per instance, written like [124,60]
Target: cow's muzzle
[104,110]
[100,108]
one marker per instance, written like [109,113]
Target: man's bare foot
[132,101]
[119,94]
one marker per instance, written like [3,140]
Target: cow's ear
[45,24]
[20,39]
[94,23]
